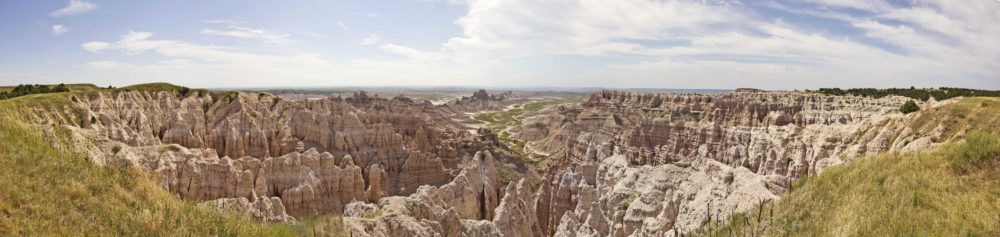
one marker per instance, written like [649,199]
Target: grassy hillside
[72,87]
[953,190]
[49,191]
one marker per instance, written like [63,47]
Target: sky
[693,44]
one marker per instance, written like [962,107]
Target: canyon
[619,164]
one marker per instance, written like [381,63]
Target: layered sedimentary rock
[621,164]
[652,164]
[315,156]
[482,101]
[471,205]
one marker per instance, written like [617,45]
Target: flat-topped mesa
[261,145]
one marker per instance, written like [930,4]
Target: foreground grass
[953,190]
[52,192]
[915,195]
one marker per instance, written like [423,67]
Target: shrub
[628,202]
[979,149]
[909,107]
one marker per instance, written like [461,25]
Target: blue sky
[715,44]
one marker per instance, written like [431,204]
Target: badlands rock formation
[278,159]
[621,164]
[482,101]
[659,164]
[471,205]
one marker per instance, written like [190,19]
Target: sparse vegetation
[501,120]
[627,202]
[967,114]
[507,175]
[375,214]
[171,148]
[322,225]
[181,90]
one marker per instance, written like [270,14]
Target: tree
[60,88]
[909,107]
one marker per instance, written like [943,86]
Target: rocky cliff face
[277,158]
[621,164]
[482,101]
[471,205]
[648,164]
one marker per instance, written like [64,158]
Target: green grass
[322,225]
[159,86]
[49,191]
[979,150]
[974,113]
[953,190]
[889,194]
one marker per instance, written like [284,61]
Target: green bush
[909,107]
[979,149]
[626,203]
[183,91]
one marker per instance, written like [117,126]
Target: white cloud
[225,21]
[631,43]
[370,40]
[250,33]
[74,7]
[109,65]
[868,5]
[58,30]
[695,40]
[411,52]
[96,47]
[140,42]
[518,28]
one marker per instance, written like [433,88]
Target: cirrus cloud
[74,7]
